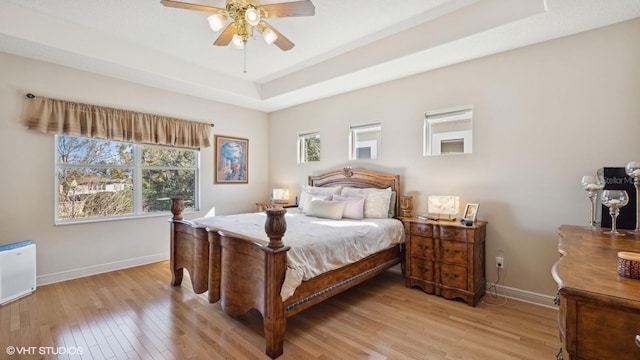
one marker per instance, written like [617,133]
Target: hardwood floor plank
[135,314]
[101,339]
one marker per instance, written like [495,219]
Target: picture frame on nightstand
[470,212]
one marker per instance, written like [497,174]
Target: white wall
[544,115]
[27,176]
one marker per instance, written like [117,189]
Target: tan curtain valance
[69,118]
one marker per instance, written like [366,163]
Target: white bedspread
[317,245]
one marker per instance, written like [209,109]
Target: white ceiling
[348,44]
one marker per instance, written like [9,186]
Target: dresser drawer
[454,276]
[422,229]
[454,252]
[421,269]
[422,247]
[453,233]
[603,331]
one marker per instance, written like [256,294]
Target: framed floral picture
[231,160]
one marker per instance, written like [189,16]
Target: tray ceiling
[347,45]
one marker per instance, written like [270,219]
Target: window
[364,141]
[308,147]
[448,132]
[102,179]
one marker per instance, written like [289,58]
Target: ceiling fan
[246,17]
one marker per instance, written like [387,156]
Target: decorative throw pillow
[310,198]
[308,191]
[354,208]
[326,209]
[376,203]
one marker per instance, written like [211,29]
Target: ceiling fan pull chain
[245,57]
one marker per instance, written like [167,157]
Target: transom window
[102,179]
[308,147]
[365,141]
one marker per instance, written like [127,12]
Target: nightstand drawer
[454,252]
[421,269]
[422,247]
[453,276]
[453,233]
[422,229]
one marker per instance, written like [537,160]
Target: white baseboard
[523,295]
[511,293]
[99,269]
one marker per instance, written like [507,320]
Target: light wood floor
[135,314]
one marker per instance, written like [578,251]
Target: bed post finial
[177,205]
[275,226]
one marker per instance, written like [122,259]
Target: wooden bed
[243,274]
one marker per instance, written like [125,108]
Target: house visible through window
[102,179]
[364,141]
[308,147]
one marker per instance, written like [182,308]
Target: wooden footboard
[253,274]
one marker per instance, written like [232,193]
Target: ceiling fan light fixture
[269,36]
[237,42]
[216,21]
[252,15]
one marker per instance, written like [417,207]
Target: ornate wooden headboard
[359,178]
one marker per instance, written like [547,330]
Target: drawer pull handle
[451,275]
[638,340]
[423,246]
[456,251]
[424,270]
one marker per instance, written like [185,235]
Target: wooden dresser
[446,258]
[599,315]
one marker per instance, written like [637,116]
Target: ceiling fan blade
[282,42]
[295,8]
[227,34]
[198,6]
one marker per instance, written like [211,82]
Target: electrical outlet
[499,262]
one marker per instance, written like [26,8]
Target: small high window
[448,132]
[365,141]
[308,147]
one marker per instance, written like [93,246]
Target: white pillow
[326,209]
[308,191]
[376,203]
[312,198]
[354,208]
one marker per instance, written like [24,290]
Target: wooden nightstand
[446,258]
